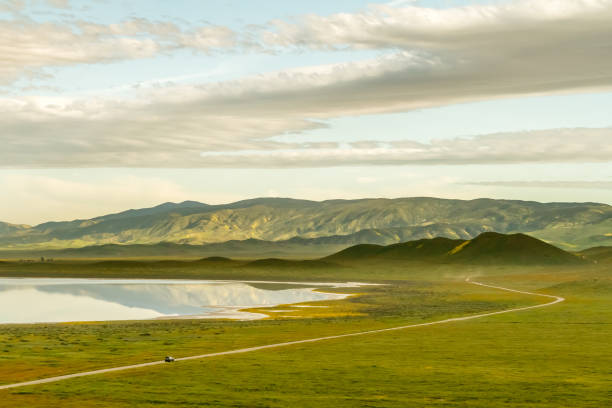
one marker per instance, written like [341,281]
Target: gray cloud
[521,47]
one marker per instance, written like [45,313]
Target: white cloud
[558,184]
[229,124]
[12,6]
[28,46]
[473,52]
[391,25]
[62,4]
[544,146]
[209,38]
[442,57]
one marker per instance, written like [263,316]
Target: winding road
[556,299]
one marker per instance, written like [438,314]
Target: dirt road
[556,299]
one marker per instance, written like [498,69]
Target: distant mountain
[329,223]
[8,229]
[488,248]
[246,249]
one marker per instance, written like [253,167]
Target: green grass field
[558,356]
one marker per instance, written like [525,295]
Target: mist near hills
[324,225]
[488,248]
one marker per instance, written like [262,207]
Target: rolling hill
[9,229]
[245,249]
[326,224]
[488,248]
[601,254]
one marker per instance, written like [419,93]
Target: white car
[169,359]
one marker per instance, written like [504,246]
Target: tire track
[556,299]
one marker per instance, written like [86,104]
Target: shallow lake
[41,300]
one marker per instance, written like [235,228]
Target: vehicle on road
[169,359]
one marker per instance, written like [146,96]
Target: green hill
[361,251]
[420,250]
[488,248]
[602,254]
[215,259]
[333,223]
[424,249]
[246,249]
[516,249]
[286,263]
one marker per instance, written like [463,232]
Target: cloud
[28,46]
[438,57]
[542,146]
[17,6]
[457,54]
[61,4]
[472,52]
[172,125]
[12,6]
[230,124]
[561,184]
[393,26]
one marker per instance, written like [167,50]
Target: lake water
[41,300]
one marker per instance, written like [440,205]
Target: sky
[107,105]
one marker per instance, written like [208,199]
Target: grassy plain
[552,357]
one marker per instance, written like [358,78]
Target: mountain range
[332,224]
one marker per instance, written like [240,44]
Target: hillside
[289,264]
[8,229]
[245,249]
[602,254]
[419,250]
[519,249]
[333,222]
[486,249]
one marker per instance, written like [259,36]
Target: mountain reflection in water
[63,300]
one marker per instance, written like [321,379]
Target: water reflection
[62,300]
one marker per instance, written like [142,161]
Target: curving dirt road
[556,299]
